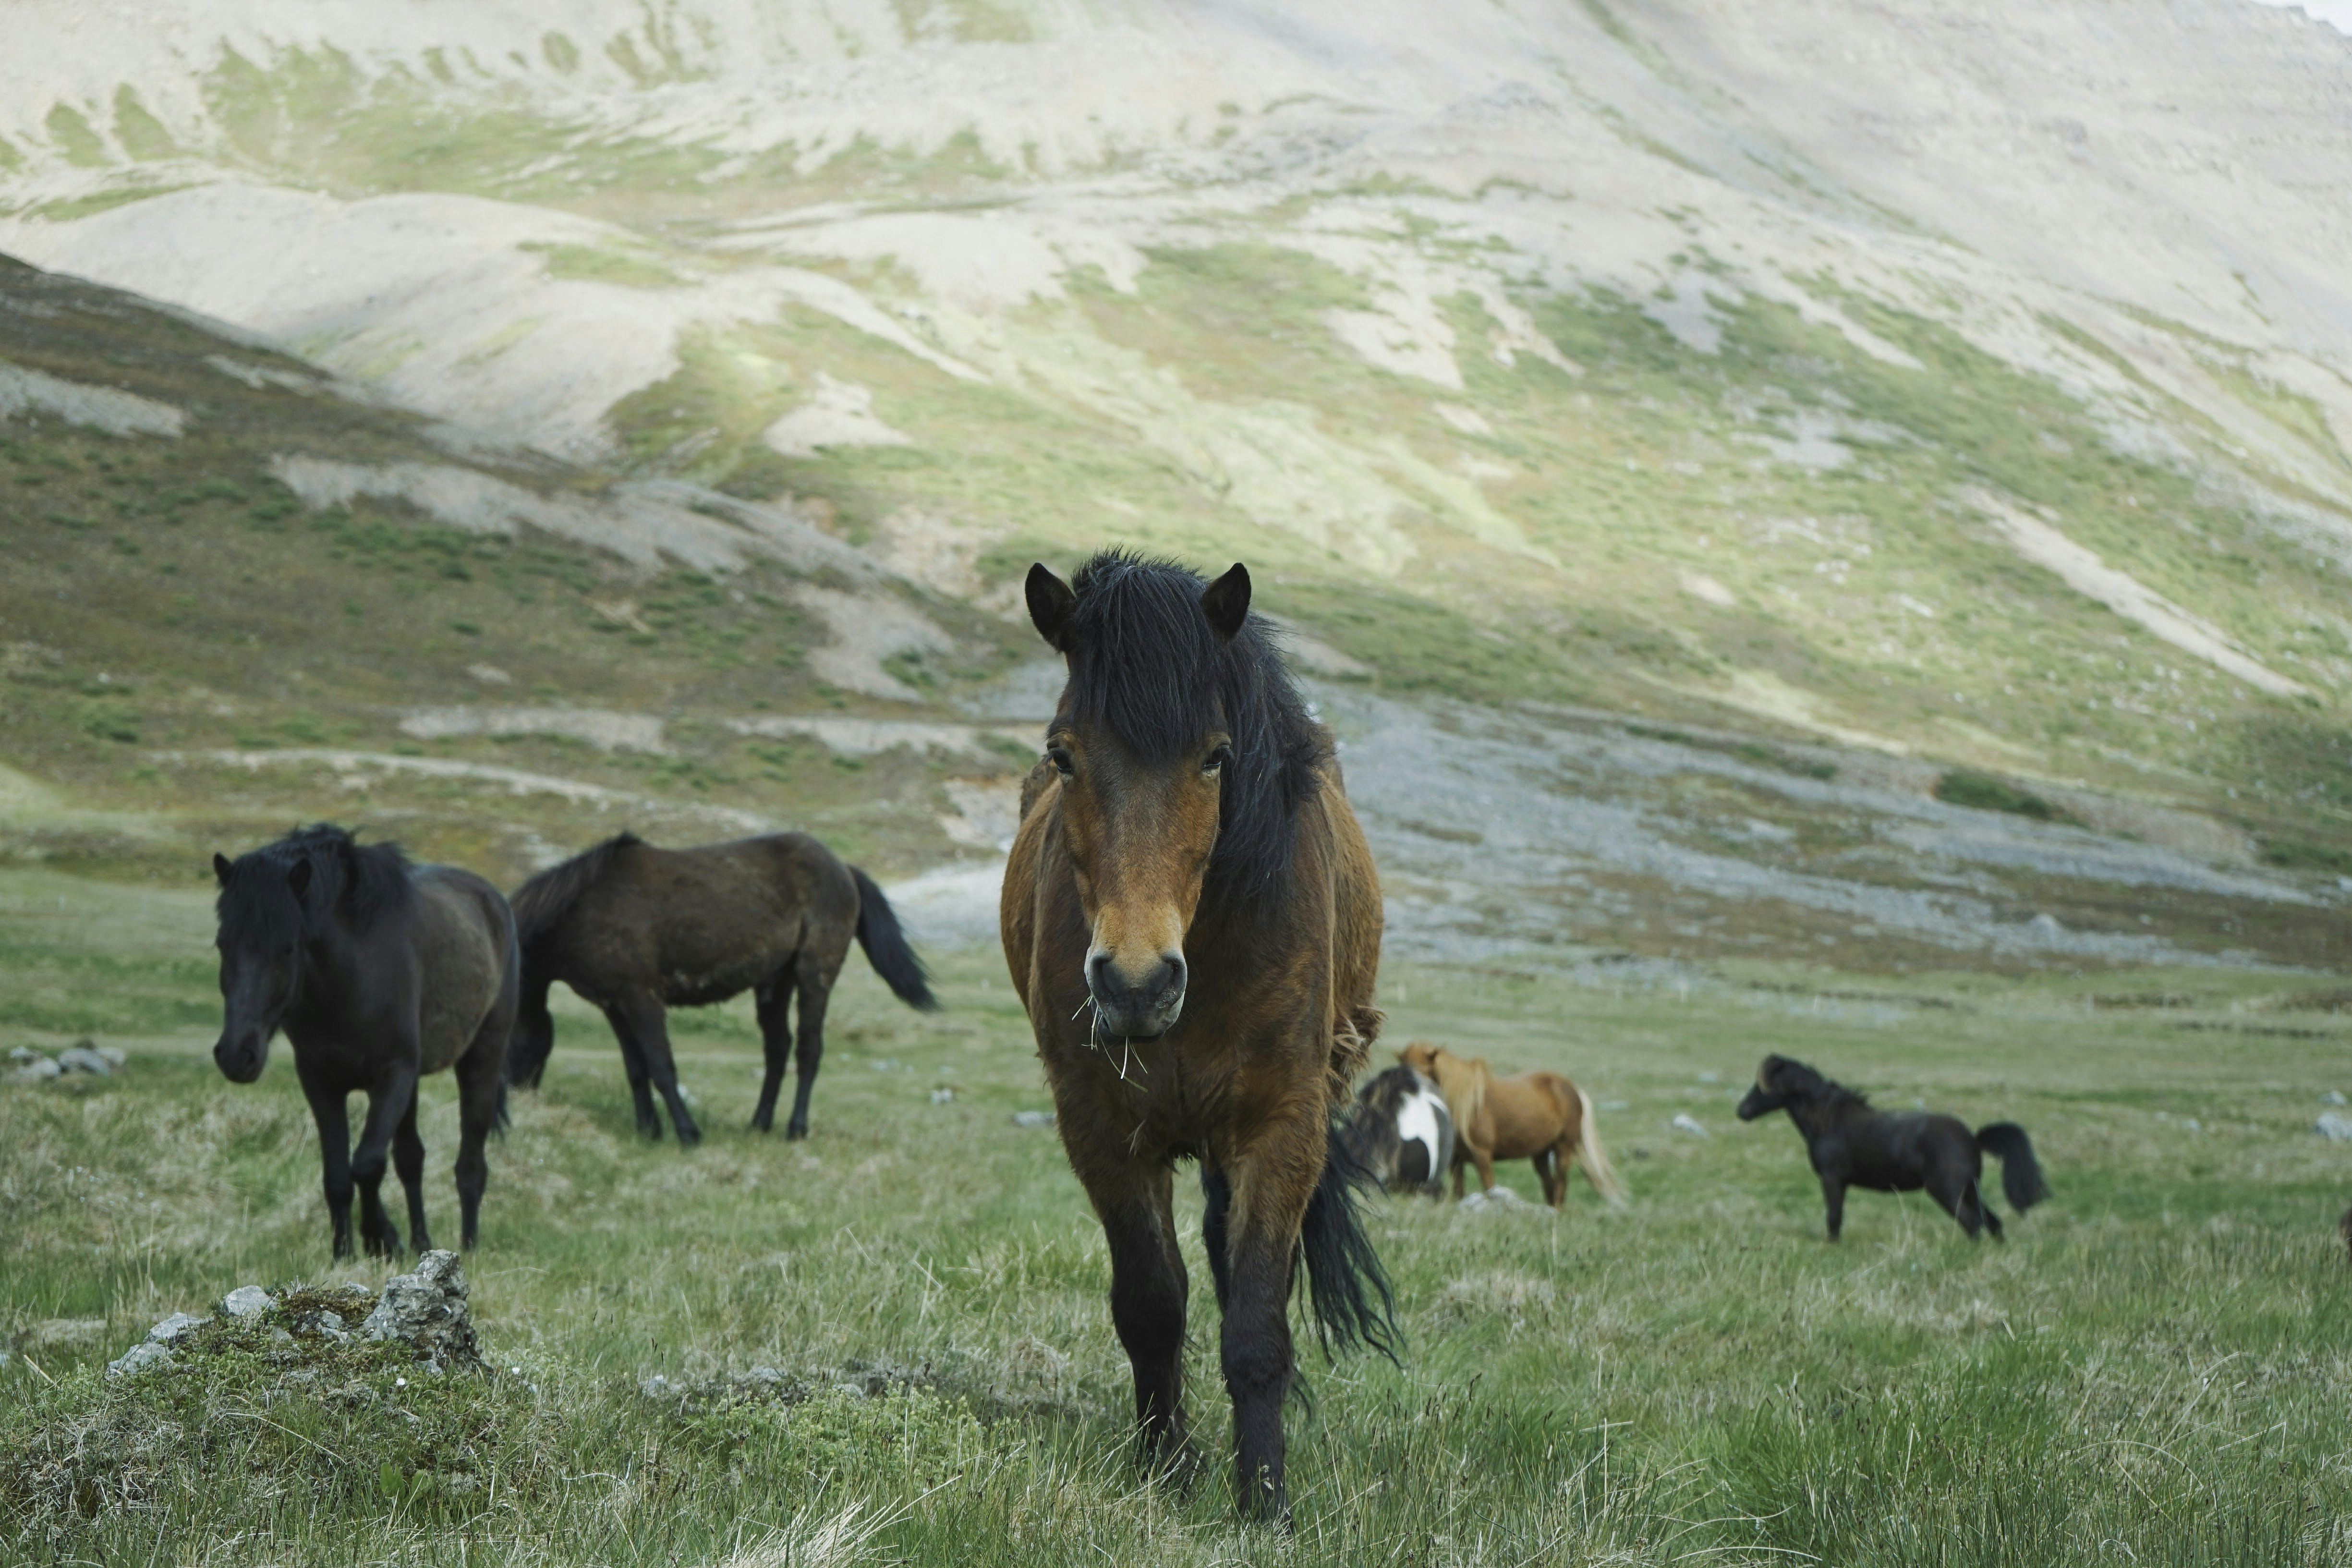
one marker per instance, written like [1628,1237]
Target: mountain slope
[1939,382]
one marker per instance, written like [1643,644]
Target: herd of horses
[1190,917]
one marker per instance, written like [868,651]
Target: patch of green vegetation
[139,133]
[1982,792]
[82,146]
[596,264]
[2305,855]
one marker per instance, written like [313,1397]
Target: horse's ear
[1226,602]
[299,878]
[1050,604]
[221,867]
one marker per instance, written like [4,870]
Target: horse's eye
[1060,757]
[1215,761]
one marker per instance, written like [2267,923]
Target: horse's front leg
[1149,1293]
[327,1111]
[1834,1198]
[389,1101]
[408,1160]
[1272,1184]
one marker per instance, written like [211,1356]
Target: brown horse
[1191,919]
[1536,1116]
[637,930]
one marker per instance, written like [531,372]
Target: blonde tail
[1589,1154]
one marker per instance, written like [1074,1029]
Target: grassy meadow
[2155,1368]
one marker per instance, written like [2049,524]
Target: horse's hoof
[687,1137]
[796,1130]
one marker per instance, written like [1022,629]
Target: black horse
[637,930]
[1853,1145]
[379,972]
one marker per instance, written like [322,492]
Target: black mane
[1794,1079]
[363,883]
[542,901]
[1386,1091]
[1146,665]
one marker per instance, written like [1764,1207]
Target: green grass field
[2157,1367]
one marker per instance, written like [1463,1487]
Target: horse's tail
[2021,1173]
[1595,1159]
[1465,1097]
[1346,1285]
[886,947]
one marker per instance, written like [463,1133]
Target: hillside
[1886,390]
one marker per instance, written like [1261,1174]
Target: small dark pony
[636,931]
[380,973]
[1853,1145]
[1403,1131]
[1191,919]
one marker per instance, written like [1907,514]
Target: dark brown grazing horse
[380,973]
[1191,919]
[1852,1144]
[636,931]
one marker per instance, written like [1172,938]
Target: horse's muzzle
[240,1061]
[1135,1009]
[1754,1105]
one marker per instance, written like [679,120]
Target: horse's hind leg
[408,1158]
[816,990]
[481,1110]
[640,1021]
[774,997]
[1959,1198]
[633,1062]
[1552,1166]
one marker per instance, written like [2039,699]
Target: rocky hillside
[660,401]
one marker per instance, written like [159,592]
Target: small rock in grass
[138,1358]
[426,1309]
[85,1058]
[23,1055]
[943,1095]
[38,1070]
[2332,1097]
[2334,1126]
[1500,1198]
[246,1301]
[1685,1122]
[172,1327]
[1033,1118]
[655,1386]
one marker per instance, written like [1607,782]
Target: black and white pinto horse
[1405,1132]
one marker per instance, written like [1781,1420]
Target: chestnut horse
[1536,1116]
[1191,919]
